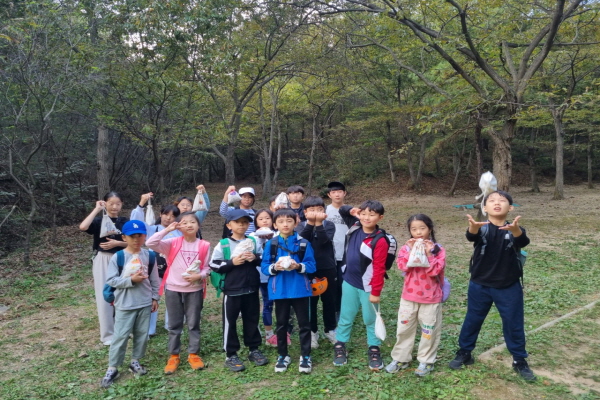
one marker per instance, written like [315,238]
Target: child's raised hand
[410,243]
[475,225]
[428,246]
[514,228]
[355,211]
[200,187]
[230,189]
[172,226]
[310,216]
[138,277]
[145,197]
[100,204]
[320,216]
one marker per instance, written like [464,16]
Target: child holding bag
[421,301]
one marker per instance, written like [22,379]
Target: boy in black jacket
[240,290]
[320,233]
[495,273]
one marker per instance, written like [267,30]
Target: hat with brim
[132,227]
[237,214]
[245,190]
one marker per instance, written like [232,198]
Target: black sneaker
[109,378]
[258,358]
[523,369]
[375,361]
[234,363]
[340,354]
[463,357]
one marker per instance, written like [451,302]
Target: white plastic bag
[199,204]
[246,245]
[133,266]
[488,184]
[233,198]
[264,233]
[282,201]
[150,218]
[193,269]
[107,227]
[285,262]
[417,256]
[380,331]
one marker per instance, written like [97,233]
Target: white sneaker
[396,366]
[107,343]
[305,365]
[314,340]
[331,336]
[424,369]
[282,363]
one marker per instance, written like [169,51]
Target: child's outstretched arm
[437,261]
[202,214]
[138,212]
[514,228]
[475,225]
[156,242]
[85,224]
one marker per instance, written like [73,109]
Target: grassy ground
[50,348]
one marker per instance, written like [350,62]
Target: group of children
[294,255]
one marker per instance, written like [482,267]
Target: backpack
[393,247]
[521,254]
[275,245]
[108,291]
[217,279]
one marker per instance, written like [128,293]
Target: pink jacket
[423,285]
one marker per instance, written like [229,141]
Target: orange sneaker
[172,364]
[195,361]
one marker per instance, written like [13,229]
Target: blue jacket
[288,284]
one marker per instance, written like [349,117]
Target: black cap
[336,186]
[234,215]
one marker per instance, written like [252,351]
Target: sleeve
[345,214]
[309,265]
[522,240]
[202,214]
[437,263]
[473,237]
[218,262]
[266,267]
[113,277]
[154,281]
[307,231]
[137,213]
[403,258]
[223,209]
[94,228]
[379,257]
[156,243]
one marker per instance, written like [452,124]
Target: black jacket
[240,279]
[321,240]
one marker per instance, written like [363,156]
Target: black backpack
[275,245]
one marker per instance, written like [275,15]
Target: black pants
[282,313]
[329,300]
[249,306]
[340,280]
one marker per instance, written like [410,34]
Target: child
[135,297]
[495,273]
[290,287]
[247,194]
[295,196]
[184,294]
[421,300]
[185,204]
[364,271]
[240,289]
[105,248]
[320,234]
[264,219]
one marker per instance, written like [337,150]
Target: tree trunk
[502,154]
[590,173]
[388,143]
[459,156]
[419,176]
[557,117]
[479,146]
[535,188]
[102,162]
[229,162]
[313,147]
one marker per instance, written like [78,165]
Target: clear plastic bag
[285,262]
[380,330]
[233,198]
[133,266]
[193,269]
[488,184]
[246,245]
[199,204]
[107,227]
[150,219]
[417,256]
[282,201]
[264,233]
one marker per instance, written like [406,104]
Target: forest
[147,95]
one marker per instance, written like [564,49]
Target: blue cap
[234,215]
[134,226]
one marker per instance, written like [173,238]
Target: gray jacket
[129,295]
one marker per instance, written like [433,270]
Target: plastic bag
[150,218]
[285,262]
[133,266]
[446,287]
[264,233]
[380,331]
[418,257]
[107,227]
[246,245]
[193,269]
[199,204]
[488,184]
[233,198]
[282,201]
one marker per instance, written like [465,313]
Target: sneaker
[258,358]
[331,337]
[196,362]
[107,342]
[305,365]
[523,369]
[109,378]
[172,364]
[137,369]
[314,340]
[282,363]
[396,366]
[375,361]
[463,357]
[271,340]
[340,354]
[234,363]
[424,369]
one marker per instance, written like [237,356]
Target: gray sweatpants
[127,322]
[180,304]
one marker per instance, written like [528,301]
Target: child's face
[295,197]
[184,206]
[497,206]
[272,206]
[285,225]
[337,196]
[263,220]
[135,241]
[419,230]
[247,200]
[189,225]
[167,219]
[239,227]
[369,218]
[113,206]
[315,209]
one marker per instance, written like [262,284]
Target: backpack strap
[175,247]
[120,261]
[301,250]
[274,247]
[151,261]
[226,248]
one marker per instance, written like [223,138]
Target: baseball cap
[134,226]
[336,186]
[236,214]
[246,190]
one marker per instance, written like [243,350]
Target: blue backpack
[108,291]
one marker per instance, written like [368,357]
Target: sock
[111,369]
